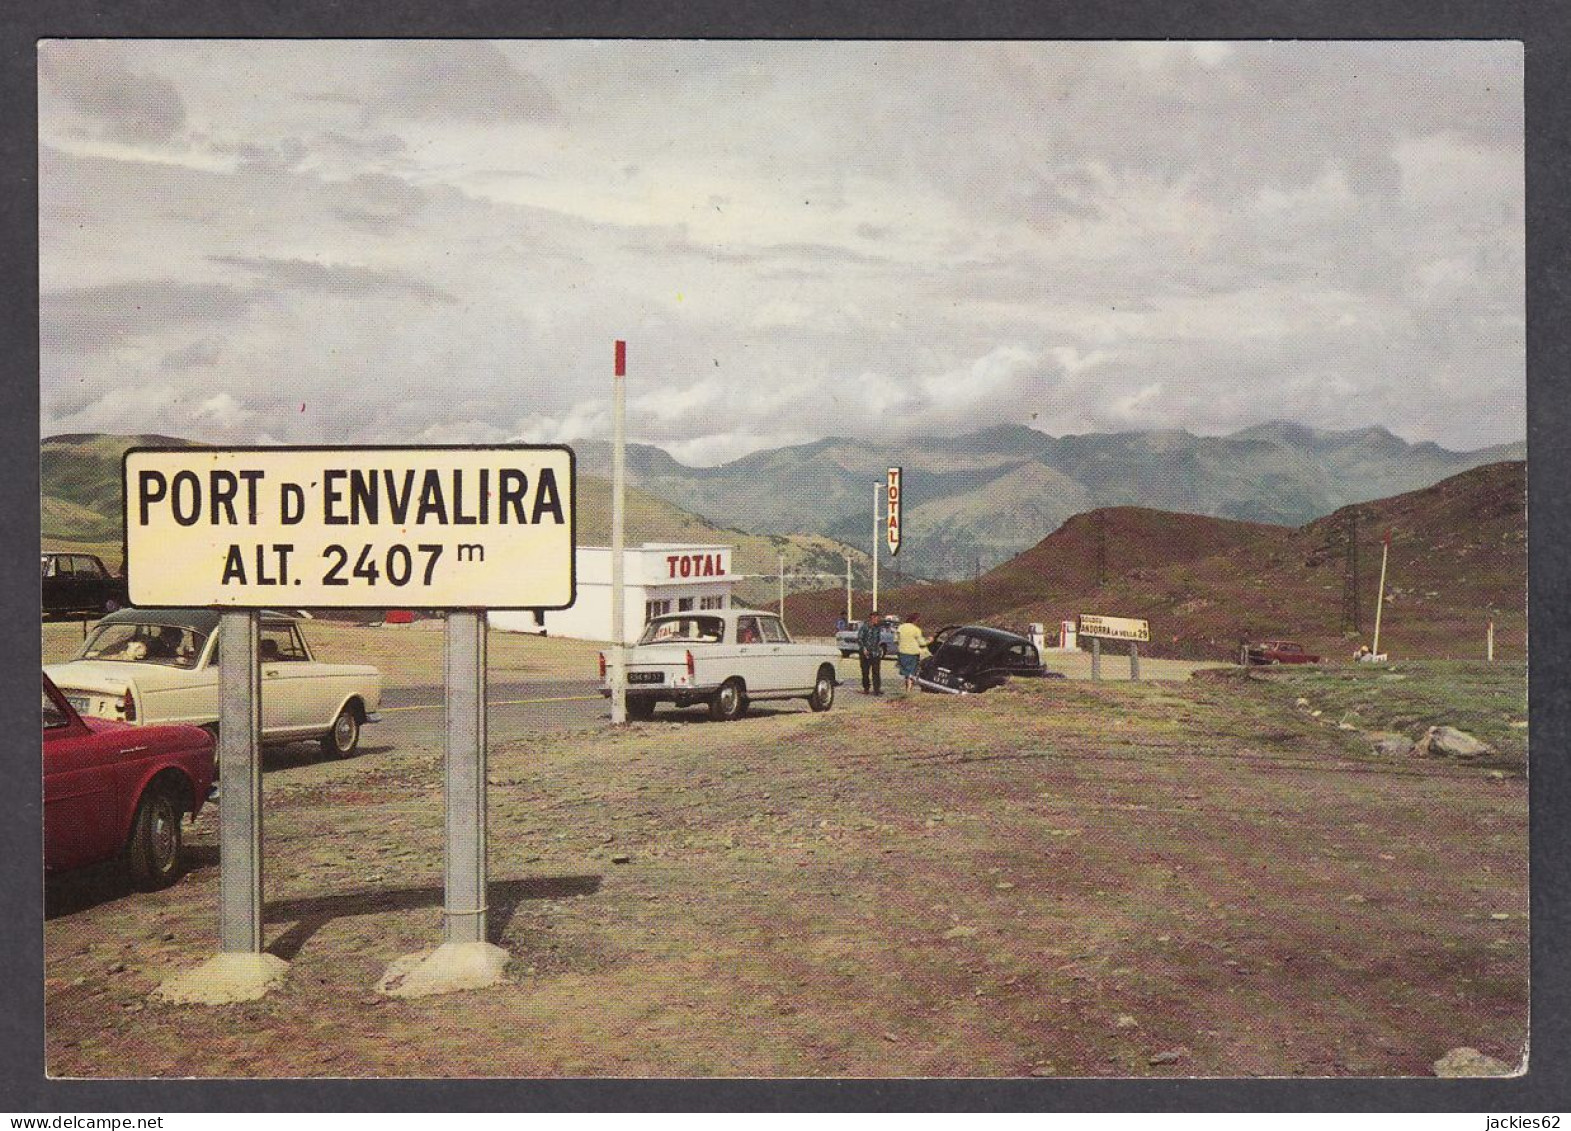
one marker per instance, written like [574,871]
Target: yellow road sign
[1115,628]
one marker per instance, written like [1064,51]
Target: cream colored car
[724,659]
[161,666]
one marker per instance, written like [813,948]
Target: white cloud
[1132,406]
[420,241]
[224,411]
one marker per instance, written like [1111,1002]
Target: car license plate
[646,677]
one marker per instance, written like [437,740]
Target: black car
[971,658]
[79,583]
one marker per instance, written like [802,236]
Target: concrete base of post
[447,969]
[225,978]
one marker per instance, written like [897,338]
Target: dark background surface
[1543,28]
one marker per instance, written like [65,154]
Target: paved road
[413,715]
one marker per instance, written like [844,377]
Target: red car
[112,789]
[1278,652]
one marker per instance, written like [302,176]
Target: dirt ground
[1186,878]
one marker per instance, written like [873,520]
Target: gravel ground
[1162,879]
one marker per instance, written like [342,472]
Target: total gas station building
[658,578]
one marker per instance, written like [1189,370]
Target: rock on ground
[1389,744]
[1467,1061]
[1448,742]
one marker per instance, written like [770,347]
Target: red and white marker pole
[617,669]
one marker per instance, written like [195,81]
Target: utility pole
[1352,617]
[618,665]
[848,588]
[1101,549]
[782,588]
[878,490]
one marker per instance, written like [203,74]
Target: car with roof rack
[146,666]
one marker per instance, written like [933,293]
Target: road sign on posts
[459,529]
[418,528]
[892,511]
[1100,628]
[1114,628]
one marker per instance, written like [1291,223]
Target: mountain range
[1457,562]
[972,501]
[81,510]
[975,500]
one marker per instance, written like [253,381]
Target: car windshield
[53,715]
[166,644]
[684,630]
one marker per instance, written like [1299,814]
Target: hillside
[81,502]
[996,492]
[1458,558]
[80,479]
[948,535]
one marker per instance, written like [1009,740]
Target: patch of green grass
[1408,697]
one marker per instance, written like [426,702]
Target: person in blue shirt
[870,649]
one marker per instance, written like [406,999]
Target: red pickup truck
[1278,652]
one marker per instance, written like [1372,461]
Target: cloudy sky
[400,242]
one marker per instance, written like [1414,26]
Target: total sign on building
[661,577]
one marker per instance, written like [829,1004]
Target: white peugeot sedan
[161,666]
[724,658]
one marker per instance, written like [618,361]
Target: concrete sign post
[240,971]
[1096,657]
[438,528]
[465,960]
[464,872]
[240,795]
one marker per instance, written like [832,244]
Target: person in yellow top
[909,643]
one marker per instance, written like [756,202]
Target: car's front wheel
[341,741]
[153,853]
[729,702]
[823,696]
